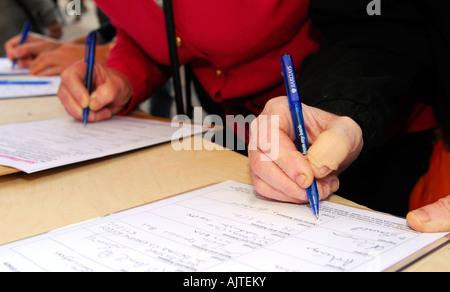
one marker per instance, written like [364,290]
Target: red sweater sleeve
[145,76]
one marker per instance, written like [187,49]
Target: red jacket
[234,46]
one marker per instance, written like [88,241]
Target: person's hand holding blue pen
[280,171]
[91,91]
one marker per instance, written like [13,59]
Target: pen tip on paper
[317,216]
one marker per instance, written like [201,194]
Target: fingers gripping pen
[297,117]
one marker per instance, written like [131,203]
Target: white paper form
[225,227]
[6,68]
[35,146]
[31,90]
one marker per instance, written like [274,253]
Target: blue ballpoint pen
[90,62]
[25,31]
[297,116]
[24,82]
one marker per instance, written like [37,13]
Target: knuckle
[260,187]
[444,203]
[256,164]
[270,103]
[282,158]
[62,93]
[66,74]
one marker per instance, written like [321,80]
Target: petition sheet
[31,90]
[35,146]
[226,227]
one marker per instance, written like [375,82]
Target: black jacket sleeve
[367,65]
[438,22]
[106,32]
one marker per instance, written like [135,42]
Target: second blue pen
[299,123]
[24,82]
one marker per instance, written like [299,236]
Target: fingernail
[300,180]
[85,101]
[422,215]
[94,102]
[334,185]
[324,170]
[94,105]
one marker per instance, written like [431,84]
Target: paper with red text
[39,145]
